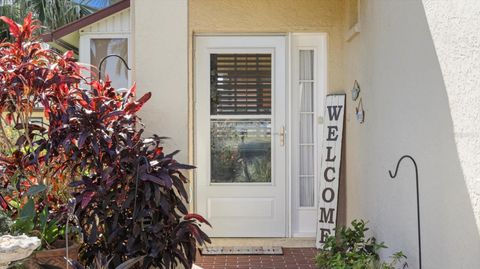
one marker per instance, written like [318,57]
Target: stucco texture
[160,65]
[275,16]
[455,29]
[418,72]
[268,16]
[417,64]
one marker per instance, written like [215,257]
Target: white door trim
[321,66]
[276,200]
[318,43]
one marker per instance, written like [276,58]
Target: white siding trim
[116,23]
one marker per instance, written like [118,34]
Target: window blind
[240,84]
[306,125]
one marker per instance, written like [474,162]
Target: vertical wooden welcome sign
[330,167]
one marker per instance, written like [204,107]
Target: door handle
[282,134]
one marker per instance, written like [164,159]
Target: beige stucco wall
[455,29]
[274,16]
[160,65]
[417,66]
[421,98]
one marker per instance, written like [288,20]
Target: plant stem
[4,134]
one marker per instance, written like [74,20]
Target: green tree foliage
[52,13]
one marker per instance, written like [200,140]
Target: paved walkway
[292,258]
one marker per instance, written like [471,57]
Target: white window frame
[84,50]
[303,219]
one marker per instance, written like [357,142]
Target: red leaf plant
[29,76]
[130,195]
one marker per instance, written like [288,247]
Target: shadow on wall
[407,112]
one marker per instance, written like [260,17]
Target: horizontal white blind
[240,84]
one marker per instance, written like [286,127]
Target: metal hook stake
[108,56]
[418,202]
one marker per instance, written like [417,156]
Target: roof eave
[85,21]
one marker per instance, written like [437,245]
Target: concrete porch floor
[298,253]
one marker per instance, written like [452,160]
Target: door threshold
[256,241]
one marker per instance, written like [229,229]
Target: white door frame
[261,205]
[321,50]
[303,219]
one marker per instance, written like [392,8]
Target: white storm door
[240,110]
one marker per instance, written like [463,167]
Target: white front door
[240,143]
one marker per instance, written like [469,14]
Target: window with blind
[306,141]
[240,117]
[241,84]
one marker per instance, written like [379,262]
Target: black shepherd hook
[418,202]
[108,56]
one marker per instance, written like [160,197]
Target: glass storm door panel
[240,138]
[240,117]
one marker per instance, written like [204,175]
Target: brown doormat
[241,251]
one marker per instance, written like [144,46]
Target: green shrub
[351,250]
[5,223]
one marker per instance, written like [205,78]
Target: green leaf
[14,204]
[43,218]
[23,225]
[28,210]
[25,222]
[35,189]
[51,232]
